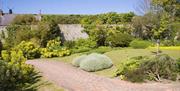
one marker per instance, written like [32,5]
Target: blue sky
[69,6]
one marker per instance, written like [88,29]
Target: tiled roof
[72,31]
[6,19]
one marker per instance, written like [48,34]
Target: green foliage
[87,43]
[16,75]
[69,44]
[143,25]
[161,66]
[63,19]
[170,43]
[162,31]
[170,6]
[45,53]
[127,69]
[176,43]
[46,31]
[53,44]
[119,40]
[53,49]
[98,34]
[39,34]
[178,64]
[95,62]
[24,20]
[5,55]
[76,62]
[1,46]
[81,50]
[155,68]
[101,50]
[29,50]
[138,44]
[83,45]
[108,18]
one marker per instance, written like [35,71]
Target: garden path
[75,79]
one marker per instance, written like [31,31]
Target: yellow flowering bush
[167,48]
[53,49]
[16,75]
[29,50]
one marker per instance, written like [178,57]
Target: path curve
[74,79]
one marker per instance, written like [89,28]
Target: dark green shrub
[16,75]
[119,40]
[1,47]
[168,43]
[178,64]
[128,70]
[95,62]
[69,44]
[176,43]
[160,67]
[156,68]
[138,44]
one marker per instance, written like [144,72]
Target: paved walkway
[74,79]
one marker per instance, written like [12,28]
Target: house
[68,31]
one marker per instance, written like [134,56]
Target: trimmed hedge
[76,62]
[140,44]
[95,62]
[119,40]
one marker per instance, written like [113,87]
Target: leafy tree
[46,31]
[118,39]
[143,25]
[170,6]
[11,36]
[99,35]
[162,30]
[24,20]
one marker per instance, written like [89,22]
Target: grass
[122,54]
[167,48]
[45,85]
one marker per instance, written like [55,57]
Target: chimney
[39,16]
[10,11]
[1,12]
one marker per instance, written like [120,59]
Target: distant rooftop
[6,19]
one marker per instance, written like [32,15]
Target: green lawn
[45,85]
[120,55]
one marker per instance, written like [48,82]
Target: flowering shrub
[53,49]
[53,44]
[16,75]
[29,50]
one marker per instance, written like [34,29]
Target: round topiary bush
[95,62]
[76,62]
